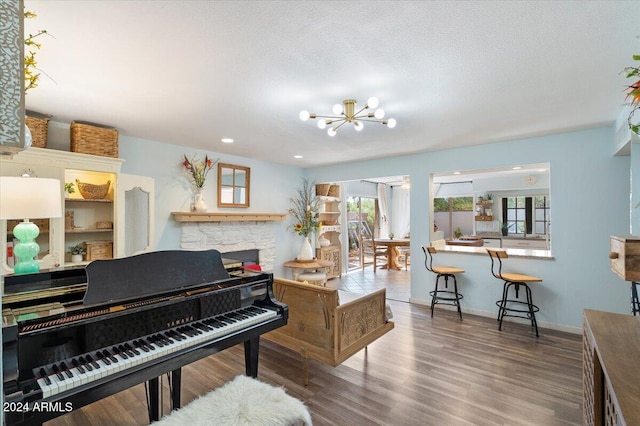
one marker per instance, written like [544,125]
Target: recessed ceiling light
[517,167]
[298,156]
[226,140]
[456,173]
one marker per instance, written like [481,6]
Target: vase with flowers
[197,172]
[306,217]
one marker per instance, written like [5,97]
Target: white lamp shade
[358,125]
[391,123]
[322,124]
[29,198]
[379,114]
[373,102]
[304,115]
[337,109]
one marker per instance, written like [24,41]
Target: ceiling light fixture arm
[347,113]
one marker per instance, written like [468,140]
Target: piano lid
[152,273]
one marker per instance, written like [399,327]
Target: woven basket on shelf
[322,189]
[334,191]
[90,191]
[92,138]
[38,124]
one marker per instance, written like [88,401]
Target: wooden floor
[426,371]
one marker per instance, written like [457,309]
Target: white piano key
[198,333]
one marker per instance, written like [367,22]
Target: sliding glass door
[361,220]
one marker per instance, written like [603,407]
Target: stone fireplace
[231,235]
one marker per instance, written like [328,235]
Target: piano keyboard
[85,369]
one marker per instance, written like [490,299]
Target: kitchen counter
[513,252]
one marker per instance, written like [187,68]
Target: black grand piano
[139,318]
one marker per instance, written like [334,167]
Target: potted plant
[69,188]
[76,252]
[457,233]
[391,235]
[505,229]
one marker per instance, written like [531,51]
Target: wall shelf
[226,217]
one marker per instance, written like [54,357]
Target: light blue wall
[272,185]
[590,202]
[589,191]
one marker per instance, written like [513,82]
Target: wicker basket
[104,225]
[322,189]
[90,191]
[38,124]
[95,139]
[334,191]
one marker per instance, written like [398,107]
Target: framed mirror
[233,185]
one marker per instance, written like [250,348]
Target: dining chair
[445,297]
[370,248]
[405,254]
[513,281]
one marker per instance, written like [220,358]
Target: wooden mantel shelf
[226,217]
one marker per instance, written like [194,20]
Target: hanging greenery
[31,70]
[633,93]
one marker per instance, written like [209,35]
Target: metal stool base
[635,302]
[446,297]
[506,308]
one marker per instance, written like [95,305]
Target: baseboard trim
[491,314]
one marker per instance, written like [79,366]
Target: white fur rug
[241,402]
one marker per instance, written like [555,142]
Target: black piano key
[131,349]
[175,335]
[77,365]
[142,345]
[117,352]
[56,370]
[103,358]
[45,376]
[148,343]
[89,363]
[92,362]
[66,370]
[110,355]
[156,341]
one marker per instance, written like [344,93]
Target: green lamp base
[26,248]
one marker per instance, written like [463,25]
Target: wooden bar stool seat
[514,307]
[438,296]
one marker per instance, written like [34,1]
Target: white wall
[590,198]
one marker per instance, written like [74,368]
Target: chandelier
[346,113]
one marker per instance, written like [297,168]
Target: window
[530,215]
[452,213]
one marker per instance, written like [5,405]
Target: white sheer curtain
[400,220]
[383,211]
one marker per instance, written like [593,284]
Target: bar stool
[509,307]
[444,297]
[635,302]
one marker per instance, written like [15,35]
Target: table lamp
[28,198]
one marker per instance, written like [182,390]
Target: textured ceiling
[451,73]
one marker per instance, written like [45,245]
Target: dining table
[392,245]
